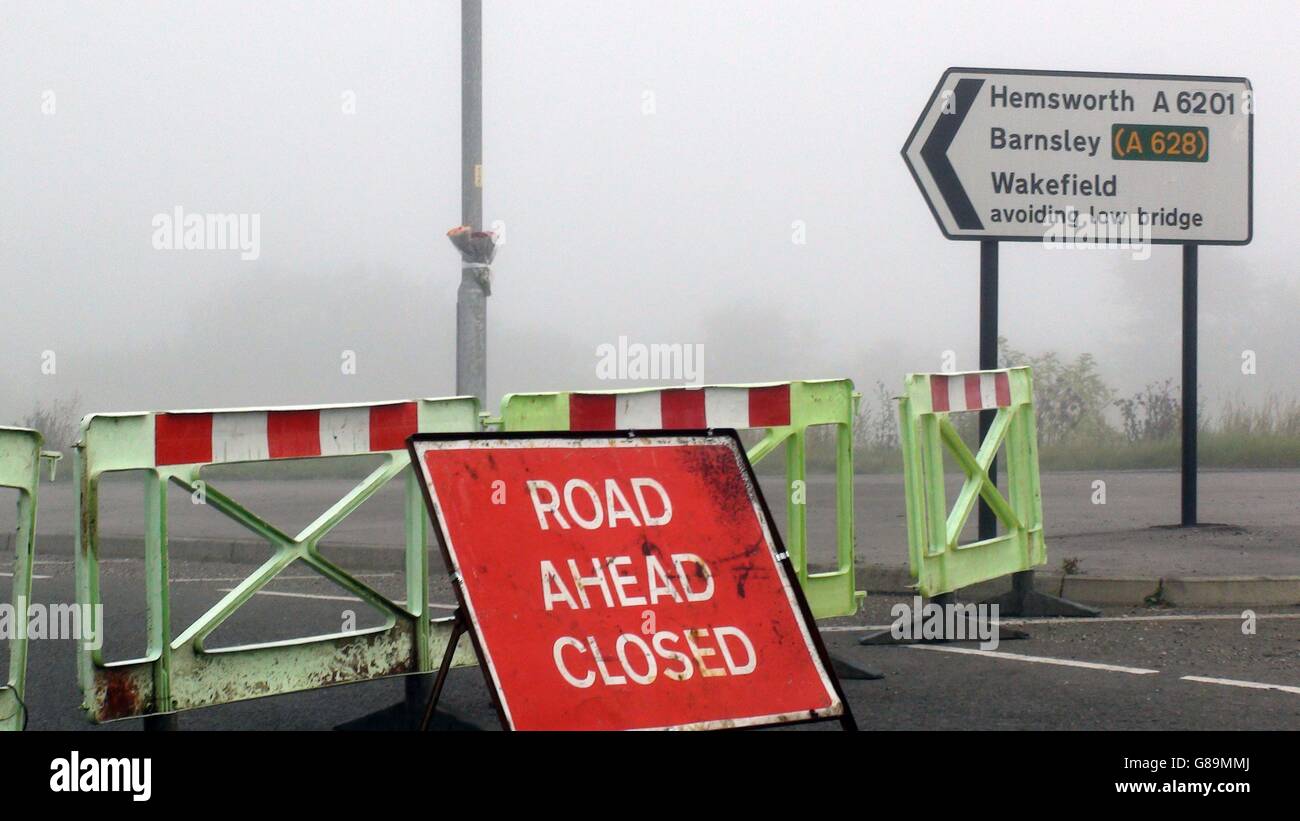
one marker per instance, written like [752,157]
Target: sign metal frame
[467,621]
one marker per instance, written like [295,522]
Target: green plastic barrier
[178,673]
[20,451]
[785,410]
[939,563]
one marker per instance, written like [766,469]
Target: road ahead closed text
[619,585]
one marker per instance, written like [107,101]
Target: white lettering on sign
[695,584]
[624,582]
[690,580]
[638,662]
[591,514]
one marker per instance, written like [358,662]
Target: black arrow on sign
[935,154]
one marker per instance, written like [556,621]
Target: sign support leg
[1190,276]
[1022,599]
[457,628]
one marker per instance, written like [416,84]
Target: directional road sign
[1001,154]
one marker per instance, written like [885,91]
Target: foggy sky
[668,227]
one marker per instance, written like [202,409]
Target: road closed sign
[620,583]
[1060,156]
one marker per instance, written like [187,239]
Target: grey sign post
[475,280]
[1073,158]
[476,248]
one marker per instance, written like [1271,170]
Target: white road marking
[1165,617]
[433,604]
[1090,665]
[862,628]
[285,578]
[299,595]
[34,576]
[1232,682]
[70,562]
[322,597]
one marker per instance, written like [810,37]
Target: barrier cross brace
[178,673]
[783,410]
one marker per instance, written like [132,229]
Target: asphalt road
[930,688]
[1121,537]
[1145,656]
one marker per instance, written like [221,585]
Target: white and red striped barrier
[682,408]
[170,439]
[785,411]
[174,448]
[986,390]
[209,437]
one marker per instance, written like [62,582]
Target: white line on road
[1090,665]
[322,597]
[1165,617]
[34,576]
[1232,682]
[299,595]
[434,604]
[286,578]
[861,628]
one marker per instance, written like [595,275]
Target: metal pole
[1189,384]
[988,523]
[1023,599]
[471,298]
[448,654]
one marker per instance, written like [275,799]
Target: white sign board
[1073,156]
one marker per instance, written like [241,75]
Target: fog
[651,164]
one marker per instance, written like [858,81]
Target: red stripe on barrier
[769,407]
[182,438]
[939,393]
[682,409]
[973,401]
[291,434]
[391,424]
[589,411]
[1002,386]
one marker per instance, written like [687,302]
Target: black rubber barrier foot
[398,717]
[1034,604]
[852,671]
[417,694]
[1024,601]
[169,723]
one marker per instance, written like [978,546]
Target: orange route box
[616,582]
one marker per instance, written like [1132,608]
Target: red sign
[624,583]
